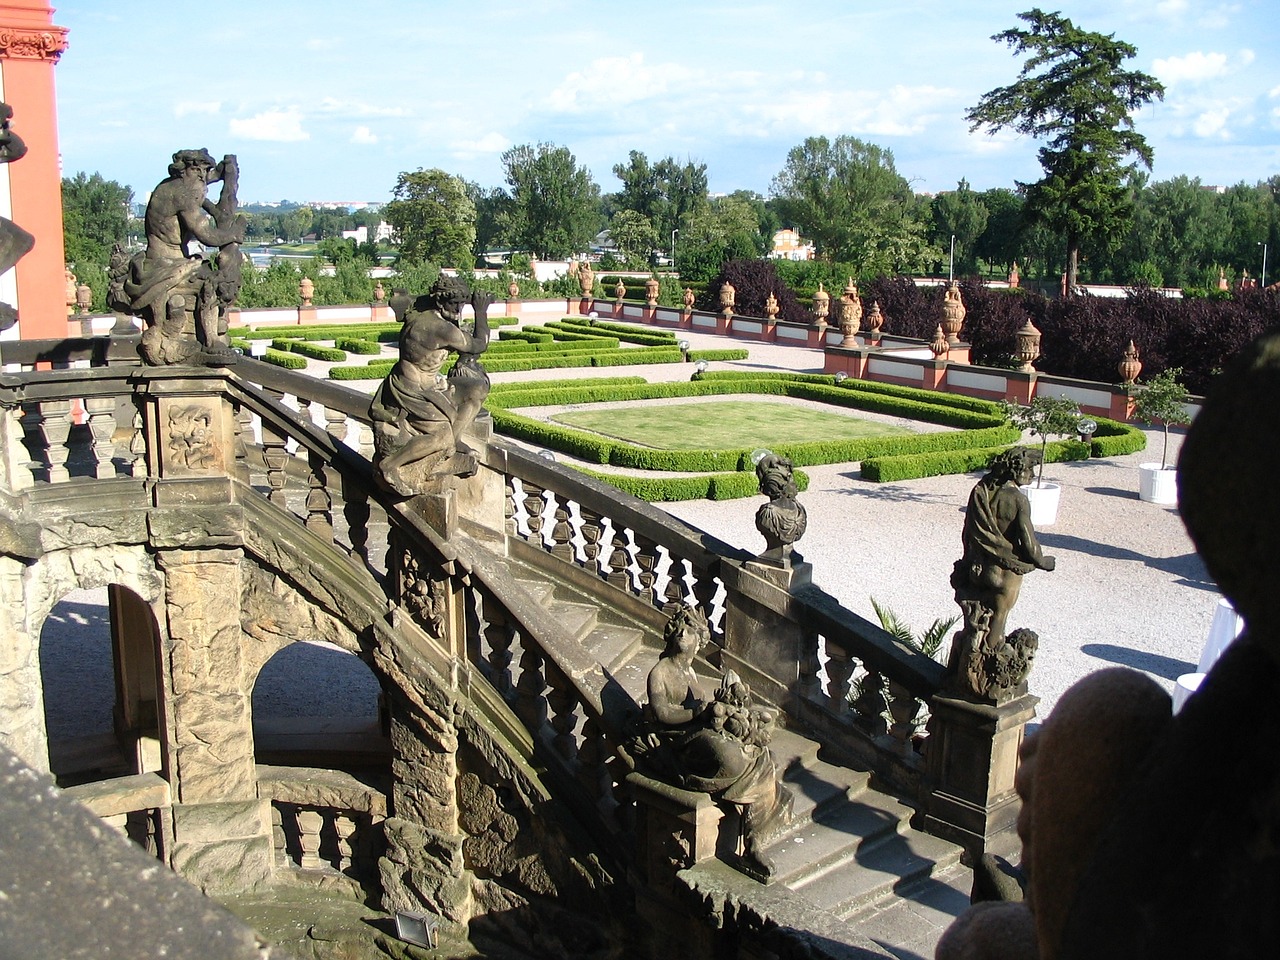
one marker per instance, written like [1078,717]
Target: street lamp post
[951,270]
[1263,245]
[673,247]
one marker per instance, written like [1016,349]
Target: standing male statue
[182,296]
[419,416]
[1000,548]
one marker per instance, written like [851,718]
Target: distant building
[341,204]
[361,234]
[788,245]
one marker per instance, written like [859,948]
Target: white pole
[952,269]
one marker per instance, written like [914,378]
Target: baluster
[355,509]
[55,427]
[102,433]
[561,531]
[319,502]
[593,770]
[810,664]
[619,560]
[244,439]
[905,708]
[276,457]
[364,440]
[840,667]
[647,561]
[563,701]
[531,705]
[624,813]
[138,446]
[344,829]
[591,530]
[499,634]
[871,705]
[534,505]
[335,424]
[704,592]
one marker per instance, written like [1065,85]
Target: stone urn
[688,300]
[1027,346]
[619,292]
[586,280]
[379,292]
[953,312]
[84,298]
[938,345]
[1014,279]
[771,306]
[1130,366]
[875,320]
[72,286]
[821,307]
[306,290]
[513,290]
[727,295]
[651,291]
[850,314]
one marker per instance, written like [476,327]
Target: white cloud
[282,126]
[614,81]
[487,145]
[798,108]
[185,107]
[1193,68]
[363,134]
[359,109]
[1213,123]
[1172,8]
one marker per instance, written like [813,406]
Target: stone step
[578,619]
[870,873]
[614,644]
[834,834]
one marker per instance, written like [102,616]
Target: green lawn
[720,425]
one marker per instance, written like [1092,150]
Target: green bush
[1114,439]
[710,355]
[718,486]
[312,350]
[362,347]
[290,361]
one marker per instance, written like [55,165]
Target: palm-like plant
[927,643]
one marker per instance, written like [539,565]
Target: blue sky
[330,100]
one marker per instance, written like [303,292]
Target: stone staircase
[849,865]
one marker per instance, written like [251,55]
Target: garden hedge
[716,486]
[308,349]
[362,347]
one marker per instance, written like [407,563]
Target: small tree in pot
[1044,417]
[1163,401]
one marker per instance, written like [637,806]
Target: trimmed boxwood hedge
[312,350]
[710,355]
[533,361]
[362,347]
[716,486]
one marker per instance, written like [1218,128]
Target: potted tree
[1044,417]
[1163,401]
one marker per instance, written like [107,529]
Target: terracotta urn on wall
[821,306]
[306,290]
[771,306]
[651,291]
[1130,366]
[727,295]
[850,313]
[953,312]
[1027,349]
[875,320]
[938,345]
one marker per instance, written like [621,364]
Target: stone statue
[15,243]
[587,280]
[716,743]
[419,416]
[688,299]
[1000,547]
[1149,835]
[168,277]
[782,520]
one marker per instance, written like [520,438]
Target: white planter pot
[1156,485]
[1044,503]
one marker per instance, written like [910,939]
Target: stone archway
[317,705]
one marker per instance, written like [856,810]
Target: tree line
[1094,215]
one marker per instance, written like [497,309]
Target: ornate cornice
[17,43]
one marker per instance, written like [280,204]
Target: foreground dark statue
[418,415]
[15,243]
[1000,548]
[781,521]
[712,743]
[1147,835]
[182,295]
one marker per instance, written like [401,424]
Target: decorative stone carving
[953,311]
[850,313]
[84,299]
[727,299]
[1014,279]
[619,292]
[586,280]
[18,44]
[15,242]
[715,743]
[875,321]
[191,437]
[513,290]
[306,291]
[688,300]
[771,306]
[379,292]
[419,416]
[821,306]
[424,597]
[1027,346]
[72,283]
[938,345]
[651,287]
[181,296]
[781,521]
[1000,547]
[1129,366]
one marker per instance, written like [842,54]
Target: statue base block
[972,757]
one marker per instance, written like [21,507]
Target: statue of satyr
[418,415]
[182,295]
[1000,547]
[716,743]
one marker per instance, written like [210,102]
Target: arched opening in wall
[99,669]
[317,705]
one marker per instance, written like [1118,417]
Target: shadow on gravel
[890,492]
[1113,492]
[1153,663]
[1188,567]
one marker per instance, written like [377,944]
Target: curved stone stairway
[851,872]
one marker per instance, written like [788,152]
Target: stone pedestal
[971,762]
[674,829]
[762,644]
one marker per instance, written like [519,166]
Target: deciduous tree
[95,216]
[959,213]
[433,217]
[1074,92]
[555,209]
